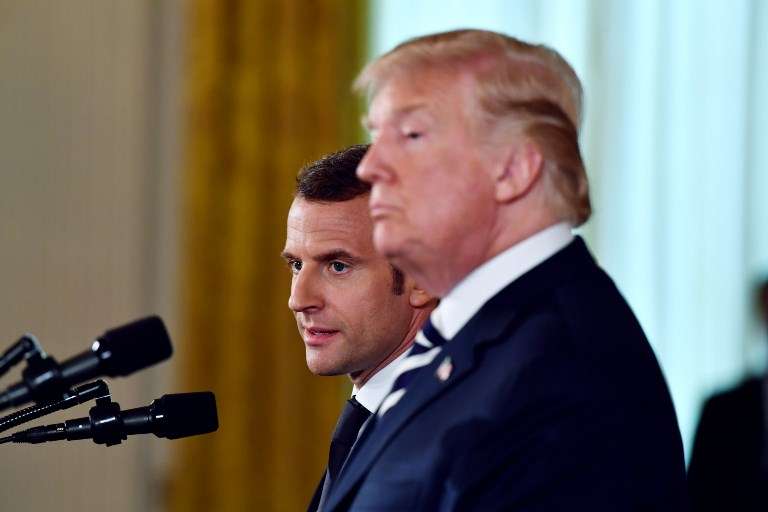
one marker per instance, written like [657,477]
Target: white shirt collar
[480,285]
[372,393]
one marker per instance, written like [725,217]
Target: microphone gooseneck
[79,395]
[170,416]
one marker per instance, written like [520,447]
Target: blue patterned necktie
[426,346]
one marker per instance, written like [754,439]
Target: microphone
[170,416]
[26,347]
[117,353]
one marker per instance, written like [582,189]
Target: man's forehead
[323,222]
[408,94]
[392,112]
[344,223]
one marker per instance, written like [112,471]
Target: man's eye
[295,266]
[413,135]
[339,267]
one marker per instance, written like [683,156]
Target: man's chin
[324,368]
[400,250]
[387,241]
[322,372]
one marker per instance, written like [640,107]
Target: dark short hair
[333,177]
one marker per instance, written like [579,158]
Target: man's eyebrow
[336,254]
[333,254]
[398,114]
[410,109]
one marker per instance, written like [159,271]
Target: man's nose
[372,168]
[305,294]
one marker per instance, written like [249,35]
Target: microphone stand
[42,373]
[92,390]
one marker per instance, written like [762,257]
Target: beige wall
[88,118]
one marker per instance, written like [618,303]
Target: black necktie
[344,436]
[352,418]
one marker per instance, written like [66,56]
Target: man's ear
[521,169]
[419,299]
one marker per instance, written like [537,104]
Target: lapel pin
[445,369]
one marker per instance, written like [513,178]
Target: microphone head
[134,346]
[185,414]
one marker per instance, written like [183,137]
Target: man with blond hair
[532,387]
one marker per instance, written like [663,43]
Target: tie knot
[427,339]
[432,334]
[352,418]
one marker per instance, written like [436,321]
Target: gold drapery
[268,89]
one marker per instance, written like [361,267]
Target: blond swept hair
[529,85]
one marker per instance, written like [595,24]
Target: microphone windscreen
[187,414]
[134,346]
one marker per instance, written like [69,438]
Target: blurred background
[147,155]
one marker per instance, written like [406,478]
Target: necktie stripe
[427,345]
[391,400]
[422,340]
[417,360]
[410,365]
[432,334]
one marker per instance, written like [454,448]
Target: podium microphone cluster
[118,352]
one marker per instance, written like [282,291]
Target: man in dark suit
[532,387]
[356,313]
[729,462]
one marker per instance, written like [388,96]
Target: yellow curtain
[268,90]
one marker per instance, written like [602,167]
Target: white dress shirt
[371,394]
[480,285]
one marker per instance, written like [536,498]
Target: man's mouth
[317,336]
[379,211]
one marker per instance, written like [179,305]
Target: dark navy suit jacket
[555,401]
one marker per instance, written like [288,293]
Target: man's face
[342,290]
[432,197]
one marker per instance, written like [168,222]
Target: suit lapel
[496,318]
[425,388]
[315,502]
